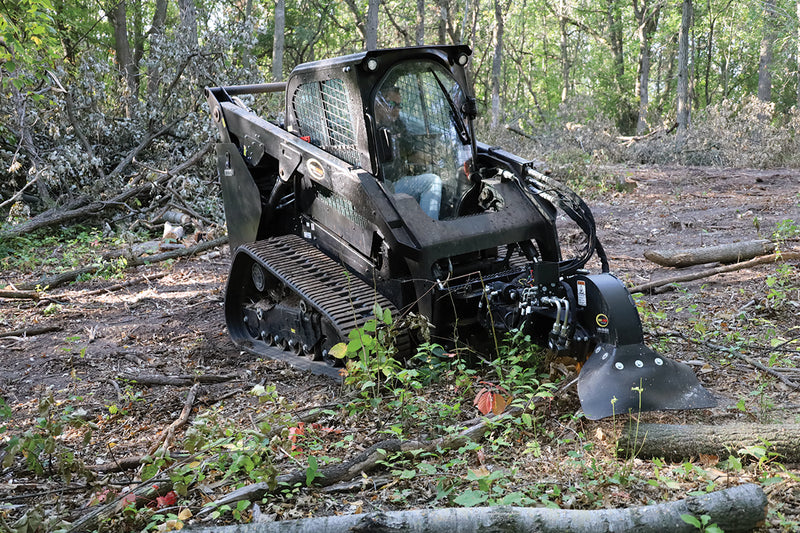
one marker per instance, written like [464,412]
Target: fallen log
[22,295]
[724,253]
[29,332]
[736,509]
[675,442]
[764,259]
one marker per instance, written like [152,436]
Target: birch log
[736,509]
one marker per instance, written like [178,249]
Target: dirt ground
[174,326]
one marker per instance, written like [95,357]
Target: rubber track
[344,299]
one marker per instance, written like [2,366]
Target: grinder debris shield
[622,374]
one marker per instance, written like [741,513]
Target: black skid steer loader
[375,189]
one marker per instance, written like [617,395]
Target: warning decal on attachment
[582,293]
[602,320]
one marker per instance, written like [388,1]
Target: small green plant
[786,229]
[44,453]
[370,354]
[702,523]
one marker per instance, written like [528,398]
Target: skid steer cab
[374,189]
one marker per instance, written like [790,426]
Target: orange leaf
[484,401]
[500,403]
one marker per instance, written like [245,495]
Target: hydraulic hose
[574,207]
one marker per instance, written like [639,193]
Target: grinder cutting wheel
[375,190]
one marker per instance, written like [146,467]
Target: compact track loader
[374,189]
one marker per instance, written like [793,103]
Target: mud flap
[634,378]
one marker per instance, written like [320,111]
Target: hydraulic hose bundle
[568,201]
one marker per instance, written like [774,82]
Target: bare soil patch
[174,326]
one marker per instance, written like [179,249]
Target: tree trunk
[156,40]
[723,253]
[647,24]
[497,63]
[372,24]
[675,442]
[798,54]
[419,34]
[736,509]
[117,16]
[765,58]
[564,49]
[279,40]
[683,74]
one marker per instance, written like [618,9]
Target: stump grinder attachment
[374,190]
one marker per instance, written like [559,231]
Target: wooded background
[98,95]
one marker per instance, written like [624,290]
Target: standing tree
[419,34]
[765,58]
[497,61]
[683,73]
[278,40]
[118,17]
[646,16]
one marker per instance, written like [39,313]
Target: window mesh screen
[322,111]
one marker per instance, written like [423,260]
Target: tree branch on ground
[763,260]
[162,444]
[737,509]
[724,253]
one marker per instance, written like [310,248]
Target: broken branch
[766,259]
[178,423]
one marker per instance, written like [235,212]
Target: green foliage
[702,524]
[40,448]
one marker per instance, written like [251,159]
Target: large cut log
[723,253]
[740,508]
[675,442]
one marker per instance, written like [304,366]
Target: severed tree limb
[675,442]
[22,295]
[179,422]
[142,145]
[737,509]
[765,259]
[30,332]
[724,253]
[72,275]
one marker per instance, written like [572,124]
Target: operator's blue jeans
[425,189]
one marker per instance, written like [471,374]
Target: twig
[185,379]
[72,275]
